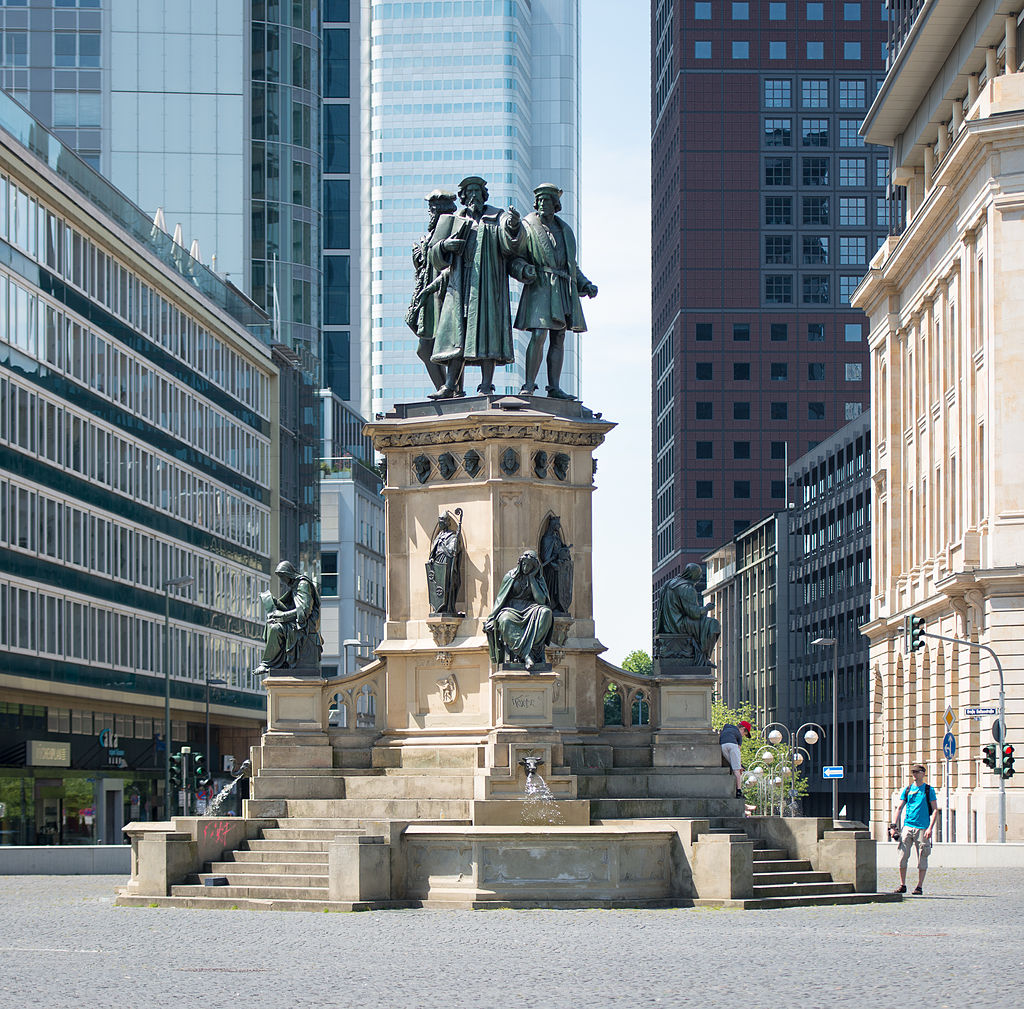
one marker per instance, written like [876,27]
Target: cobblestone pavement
[64,944]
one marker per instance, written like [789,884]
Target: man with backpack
[918,823]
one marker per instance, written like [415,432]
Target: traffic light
[1007,768]
[915,632]
[990,755]
[199,769]
[177,776]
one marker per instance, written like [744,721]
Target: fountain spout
[531,764]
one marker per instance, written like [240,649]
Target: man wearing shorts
[918,823]
[729,739]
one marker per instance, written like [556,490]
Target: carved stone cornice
[487,432]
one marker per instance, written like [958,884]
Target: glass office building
[138,498]
[458,88]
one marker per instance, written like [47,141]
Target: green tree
[638,662]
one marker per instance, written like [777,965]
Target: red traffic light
[1008,750]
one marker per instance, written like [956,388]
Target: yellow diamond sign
[949,718]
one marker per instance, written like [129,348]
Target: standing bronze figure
[520,624]
[556,560]
[428,293]
[293,624]
[550,302]
[477,245]
[444,566]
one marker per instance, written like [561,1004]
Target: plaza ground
[64,944]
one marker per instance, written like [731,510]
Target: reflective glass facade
[463,87]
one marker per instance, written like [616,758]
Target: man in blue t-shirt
[918,823]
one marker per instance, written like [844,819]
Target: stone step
[304,833]
[832,899]
[807,875]
[802,889]
[262,892]
[769,854]
[700,808]
[371,809]
[773,865]
[276,857]
[699,783]
[284,879]
[268,868]
[266,845]
[223,903]
[372,786]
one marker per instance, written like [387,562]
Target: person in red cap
[729,739]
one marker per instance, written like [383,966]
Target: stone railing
[626,699]
[356,703]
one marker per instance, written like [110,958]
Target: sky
[615,253]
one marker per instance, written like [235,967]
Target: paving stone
[63,944]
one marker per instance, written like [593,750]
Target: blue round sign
[949,745]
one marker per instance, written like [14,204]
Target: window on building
[778,94]
[779,332]
[779,371]
[778,250]
[702,49]
[852,250]
[776,12]
[851,50]
[815,411]
[853,171]
[815,332]
[780,411]
[741,50]
[778,488]
[881,172]
[814,93]
[741,371]
[741,332]
[704,371]
[703,331]
[853,94]
[704,489]
[816,12]
[702,12]
[76,49]
[778,289]
[851,12]
[881,212]
[705,529]
[776,50]
[704,450]
[741,488]
[854,371]
[853,210]
[814,132]
[329,573]
[778,133]
[851,411]
[814,209]
[815,50]
[741,411]
[814,171]
[778,171]
[847,285]
[741,450]
[816,371]
[849,135]
[778,210]
[15,51]
[704,410]
[814,249]
[853,333]
[815,289]
[778,450]
[741,11]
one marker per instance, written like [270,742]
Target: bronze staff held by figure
[550,302]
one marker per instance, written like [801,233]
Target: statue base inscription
[523,699]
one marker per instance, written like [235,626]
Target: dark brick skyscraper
[767,207]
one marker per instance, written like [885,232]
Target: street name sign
[979,711]
[832,772]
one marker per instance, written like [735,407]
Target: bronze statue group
[460,309]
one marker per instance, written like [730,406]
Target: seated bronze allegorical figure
[684,630]
[520,624]
[293,624]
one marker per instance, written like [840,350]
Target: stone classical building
[139,501]
[946,298]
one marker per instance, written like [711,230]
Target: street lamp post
[171,583]
[215,681]
[834,642]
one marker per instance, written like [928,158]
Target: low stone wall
[65,860]
[956,856]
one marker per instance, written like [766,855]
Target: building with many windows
[945,296]
[211,112]
[459,88]
[138,499]
[767,206]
